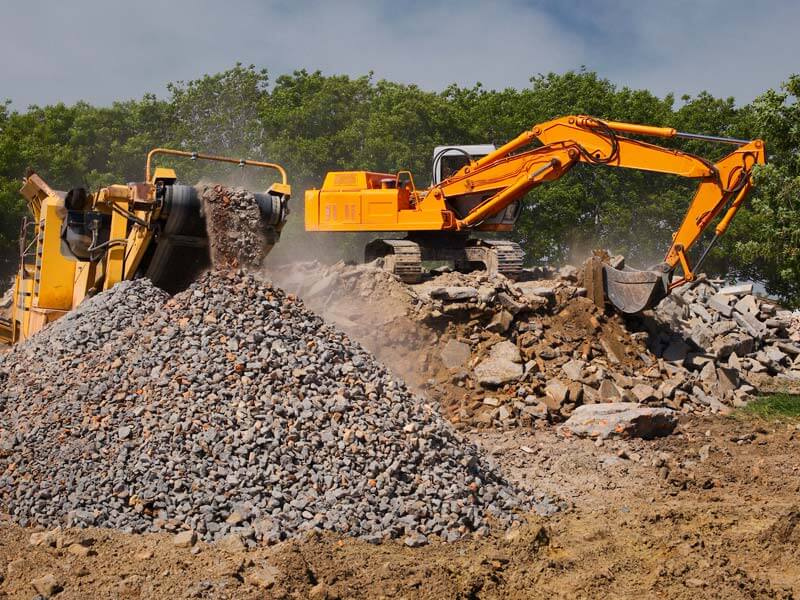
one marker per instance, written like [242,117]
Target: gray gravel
[229,408]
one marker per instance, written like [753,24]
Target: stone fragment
[774,354]
[494,372]
[455,354]
[184,539]
[568,273]
[701,312]
[455,294]
[747,304]
[574,369]
[47,585]
[644,392]
[741,344]
[557,393]
[509,304]
[720,303]
[708,374]
[500,322]
[737,290]
[620,419]
[79,550]
[609,392]
[232,543]
[415,540]
[751,323]
[723,327]
[43,538]
[702,336]
[728,380]
[506,350]
[263,577]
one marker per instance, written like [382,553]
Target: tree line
[313,123]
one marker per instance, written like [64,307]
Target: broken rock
[455,293]
[620,419]
[455,354]
[557,394]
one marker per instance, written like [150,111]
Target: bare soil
[712,511]
[709,512]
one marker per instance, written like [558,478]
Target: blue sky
[102,50]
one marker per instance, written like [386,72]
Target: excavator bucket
[630,291]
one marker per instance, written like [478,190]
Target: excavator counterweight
[485,190]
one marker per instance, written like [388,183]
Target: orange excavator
[485,190]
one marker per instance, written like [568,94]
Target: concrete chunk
[573,369]
[455,293]
[753,326]
[737,290]
[747,304]
[620,419]
[719,303]
[557,393]
[644,392]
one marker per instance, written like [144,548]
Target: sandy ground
[709,512]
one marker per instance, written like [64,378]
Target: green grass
[774,406]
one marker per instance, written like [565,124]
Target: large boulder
[620,419]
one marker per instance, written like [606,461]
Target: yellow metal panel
[84,279]
[115,258]
[55,274]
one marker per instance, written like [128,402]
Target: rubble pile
[500,353]
[725,334]
[229,410]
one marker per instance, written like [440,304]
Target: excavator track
[401,257]
[499,256]
[404,257]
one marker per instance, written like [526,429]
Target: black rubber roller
[180,253]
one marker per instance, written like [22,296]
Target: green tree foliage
[764,242]
[312,123]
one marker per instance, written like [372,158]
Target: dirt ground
[709,512]
[712,511]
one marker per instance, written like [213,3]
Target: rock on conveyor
[228,409]
[235,231]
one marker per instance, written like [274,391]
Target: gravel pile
[229,409]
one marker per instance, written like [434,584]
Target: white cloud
[101,50]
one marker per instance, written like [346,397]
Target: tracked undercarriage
[404,257]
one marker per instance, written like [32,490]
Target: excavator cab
[448,160]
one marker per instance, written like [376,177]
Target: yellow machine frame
[48,284]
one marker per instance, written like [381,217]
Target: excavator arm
[507,174]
